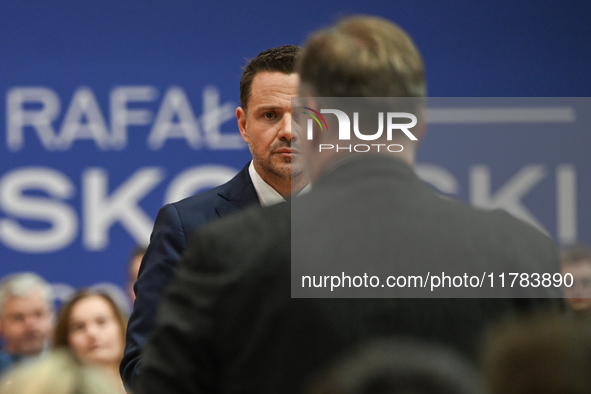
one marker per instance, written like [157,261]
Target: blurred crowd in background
[76,347]
[87,329]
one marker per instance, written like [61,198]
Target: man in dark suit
[228,323]
[264,118]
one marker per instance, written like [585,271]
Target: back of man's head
[400,366]
[358,70]
[361,57]
[280,59]
[26,313]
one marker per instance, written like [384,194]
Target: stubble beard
[285,170]
[32,347]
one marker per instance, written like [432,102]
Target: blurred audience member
[576,260]
[543,355]
[93,327]
[26,317]
[135,260]
[57,373]
[396,367]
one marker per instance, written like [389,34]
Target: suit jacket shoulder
[211,275]
[229,323]
[174,225]
[376,213]
[221,201]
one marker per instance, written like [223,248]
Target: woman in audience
[93,327]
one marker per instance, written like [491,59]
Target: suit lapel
[238,194]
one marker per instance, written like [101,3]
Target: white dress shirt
[267,195]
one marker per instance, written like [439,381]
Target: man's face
[579,294]
[266,127]
[27,323]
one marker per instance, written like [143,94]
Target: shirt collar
[267,195]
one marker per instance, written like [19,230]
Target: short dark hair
[361,56]
[280,59]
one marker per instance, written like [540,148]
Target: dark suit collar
[238,192]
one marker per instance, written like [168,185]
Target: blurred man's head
[264,117]
[26,314]
[538,354]
[400,366]
[364,57]
[361,57]
[576,261]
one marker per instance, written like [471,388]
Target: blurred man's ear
[241,120]
[420,131]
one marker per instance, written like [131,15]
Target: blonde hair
[361,56]
[57,373]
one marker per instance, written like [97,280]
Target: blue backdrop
[112,108]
